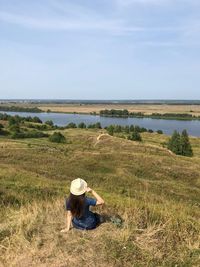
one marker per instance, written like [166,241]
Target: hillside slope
[156,193]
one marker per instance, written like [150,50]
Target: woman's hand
[88,190]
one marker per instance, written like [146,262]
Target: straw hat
[78,187]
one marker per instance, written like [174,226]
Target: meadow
[147,109]
[155,193]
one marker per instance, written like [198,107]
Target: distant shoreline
[96,102]
[162,111]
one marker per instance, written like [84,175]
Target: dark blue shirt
[88,220]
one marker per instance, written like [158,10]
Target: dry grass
[146,109]
[88,108]
[156,194]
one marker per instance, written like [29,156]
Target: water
[167,126]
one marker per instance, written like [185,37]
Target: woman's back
[78,206]
[88,219]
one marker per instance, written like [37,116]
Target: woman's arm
[99,199]
[69,220]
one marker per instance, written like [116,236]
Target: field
[155,193]
[146,109]
[88,108]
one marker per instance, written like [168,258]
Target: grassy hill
[156,193]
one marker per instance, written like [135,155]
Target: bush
[126,129]
[2,131]
[49,122]
[98,125]
[14,128]
[12,121]
[71,125]
[82,125]
[117,128]
[41,127]
[36,119]
[95,126]
[57,137]
[31,134]
[135,136]
[160,132]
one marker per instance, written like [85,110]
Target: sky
[100,49]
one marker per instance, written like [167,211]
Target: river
[167,126]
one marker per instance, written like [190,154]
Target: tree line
[20,109]
[178,143]
[125,114]
[19,119]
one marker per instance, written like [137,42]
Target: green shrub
[49,122]
[14,128]
[41,127]
[2,131]
[31,134]
[117,128]
[82,125]
[94,126]
[135,136]
[57,137]
[71,125]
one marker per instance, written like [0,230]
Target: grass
[157,195]
[88,108]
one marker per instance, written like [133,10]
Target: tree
[82,125]
[36,119]
[1,129]
[49,122]
[110,130]
[186,149]
[118,129]
[14,128]
[126,129]
[98,125]
[71,125]
[12,121]
[137,128]
[174,143]
[132,128]
[143,130]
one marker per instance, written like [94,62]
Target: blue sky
[100,49]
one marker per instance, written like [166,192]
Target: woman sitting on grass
[77,207]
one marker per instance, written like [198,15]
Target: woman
[77,207]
